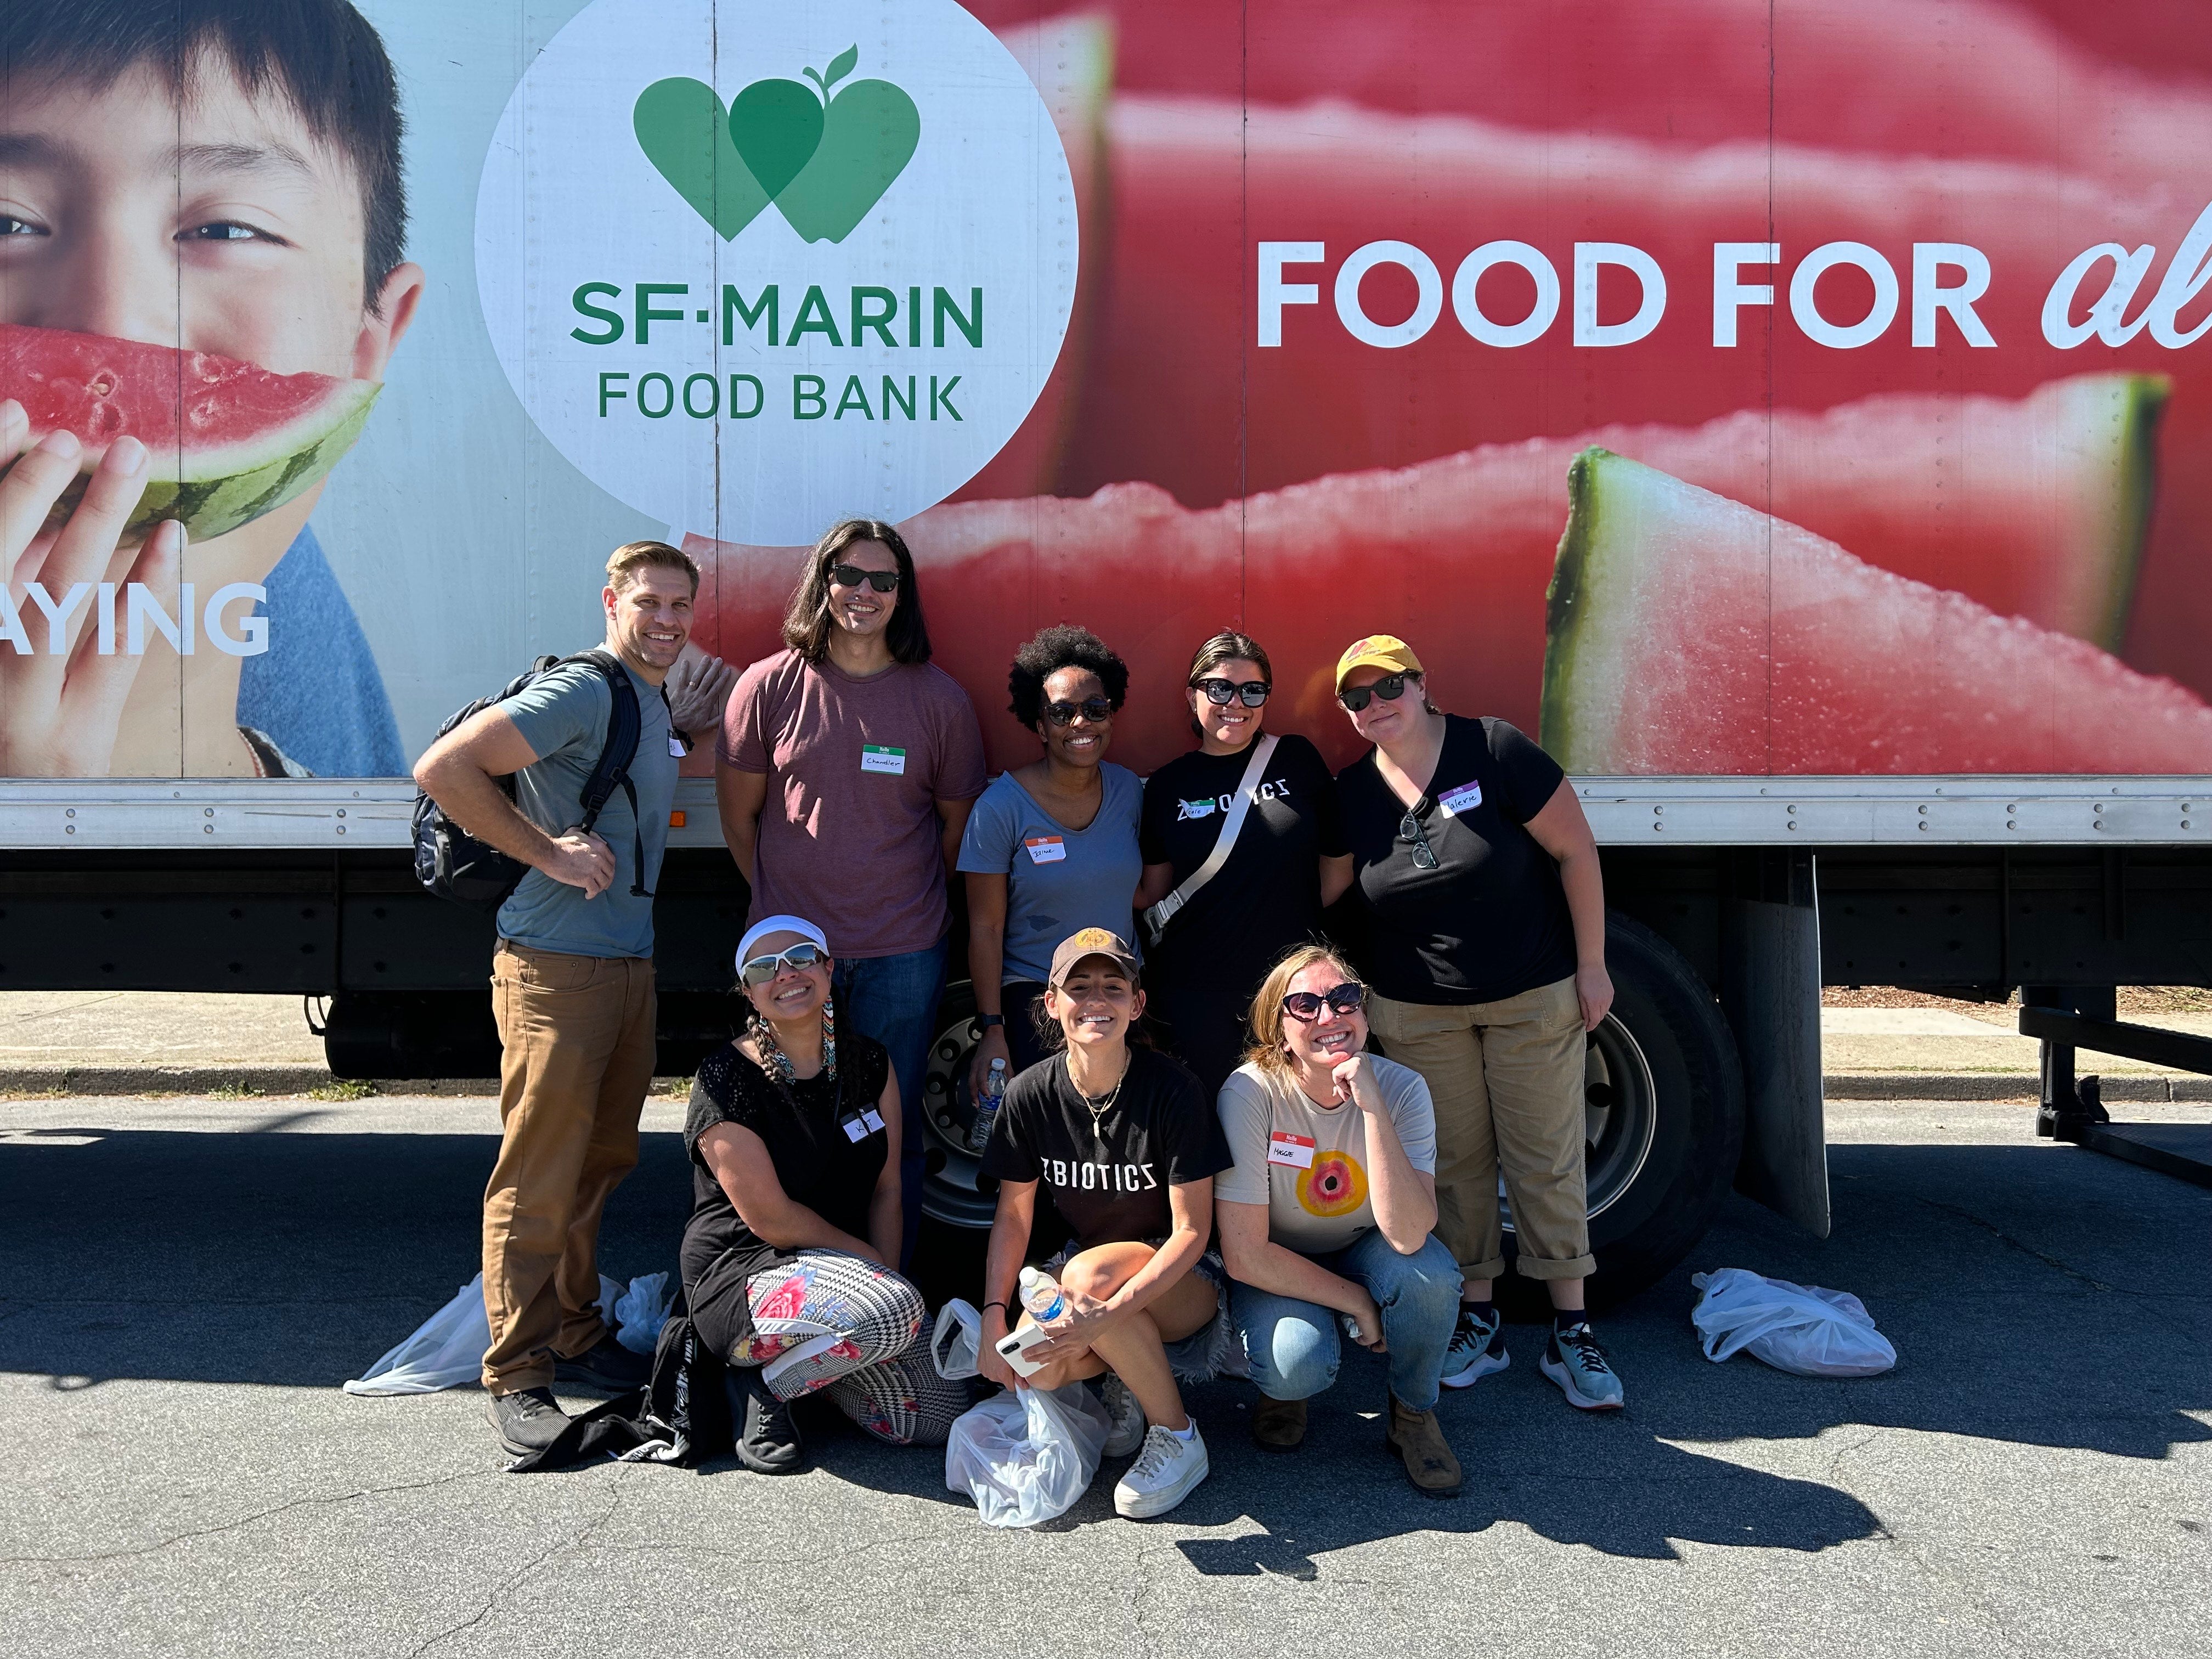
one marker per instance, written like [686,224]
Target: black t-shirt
[1110,1185]
[1491,920]
[817,1162]
[1267,896]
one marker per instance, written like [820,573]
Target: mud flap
[1770,991]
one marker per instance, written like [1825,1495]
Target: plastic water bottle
[1041,1295]
[986,1106]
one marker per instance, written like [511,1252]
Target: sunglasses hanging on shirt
[1409,829]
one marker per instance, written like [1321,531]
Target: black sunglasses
[1424,856]
[1306,1006]
[1221,693]
[1097,710]
[760,969]
[1390,688]
[851,575]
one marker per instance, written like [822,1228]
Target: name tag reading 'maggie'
[1296,1150]
[874,757]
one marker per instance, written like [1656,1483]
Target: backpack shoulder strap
[624,723]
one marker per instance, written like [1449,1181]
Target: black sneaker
[606,1365]
[528,1420]
[767,1436]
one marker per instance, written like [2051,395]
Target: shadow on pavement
[2011,1278]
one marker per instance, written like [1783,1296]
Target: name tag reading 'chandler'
[874,757]
[1296,1150]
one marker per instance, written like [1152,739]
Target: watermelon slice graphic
[1071,59]
[227,441]
[1691,634]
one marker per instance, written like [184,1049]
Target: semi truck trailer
[1796,417]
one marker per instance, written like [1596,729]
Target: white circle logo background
[569,197]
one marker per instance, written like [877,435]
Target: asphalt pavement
[188,1280]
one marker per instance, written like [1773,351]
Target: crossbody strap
[1158,917]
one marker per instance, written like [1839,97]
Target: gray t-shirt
[563,717]
[1315,1183]
[1059,880]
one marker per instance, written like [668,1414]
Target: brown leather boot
[1279,1424]
[1419,1439]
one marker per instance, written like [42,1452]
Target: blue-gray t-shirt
[563,717]
[316,692]
[1059,880]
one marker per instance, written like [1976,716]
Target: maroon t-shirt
[848,835]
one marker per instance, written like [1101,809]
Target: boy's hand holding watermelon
[61,705]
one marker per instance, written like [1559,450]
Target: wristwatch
[990,1022]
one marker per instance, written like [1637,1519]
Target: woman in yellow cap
[1481,881]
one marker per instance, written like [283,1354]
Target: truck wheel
[1663,1105]
[958,1200]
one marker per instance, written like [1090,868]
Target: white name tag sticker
[676,749]
[875,757]
[1186,810]
[1296,1151]
[859,1127]
[1045,849]
[1465,798]
[873,1119]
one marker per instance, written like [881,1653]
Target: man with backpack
[572,978]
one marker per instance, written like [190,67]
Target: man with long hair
[874,758]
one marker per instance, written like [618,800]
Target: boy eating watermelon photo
[202,219]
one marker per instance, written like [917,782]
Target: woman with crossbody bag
[1243,848]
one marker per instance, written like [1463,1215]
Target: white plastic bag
[447,1350]
[1793,1327]
[954,1344]
[1026,1454]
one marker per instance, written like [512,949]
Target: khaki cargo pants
[1507,1079]
[576,1036]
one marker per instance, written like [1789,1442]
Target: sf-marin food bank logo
[752,267]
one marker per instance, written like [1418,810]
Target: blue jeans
[894,1000]
[1293,1346]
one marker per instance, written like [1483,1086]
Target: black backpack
[454,865]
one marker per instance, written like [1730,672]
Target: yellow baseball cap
[1385,650]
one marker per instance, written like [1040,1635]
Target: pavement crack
[2010,1242]
[576,1540]
[238,1522]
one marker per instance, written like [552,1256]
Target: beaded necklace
[777,1064]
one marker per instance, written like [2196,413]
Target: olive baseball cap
[1092,942]
[1383,651]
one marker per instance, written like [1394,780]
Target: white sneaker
[1477,1349]
[1162,1476]
[1128,1416]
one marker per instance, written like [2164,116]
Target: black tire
[1662,1165]
[957,1202]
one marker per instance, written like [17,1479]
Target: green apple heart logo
[824,160]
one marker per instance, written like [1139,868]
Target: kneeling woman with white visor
[1128,1146]
[794,1135]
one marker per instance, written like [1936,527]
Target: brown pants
[1507,1080]
[577,1049]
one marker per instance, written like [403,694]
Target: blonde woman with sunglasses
[1486,907]
[793,1134]
[1325,1219]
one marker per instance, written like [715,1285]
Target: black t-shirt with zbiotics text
[1108,1182]
[1266,897]
[826,1141]
[1490,920]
